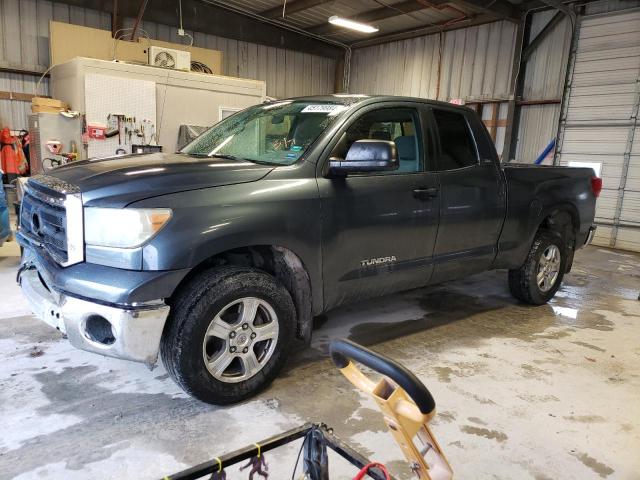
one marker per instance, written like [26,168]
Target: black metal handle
[344,350]
[425,193]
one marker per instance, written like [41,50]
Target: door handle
[425,193]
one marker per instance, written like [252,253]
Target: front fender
[276,211]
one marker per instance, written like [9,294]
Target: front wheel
[229,334]
[540,277]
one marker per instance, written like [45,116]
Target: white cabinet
[181,97]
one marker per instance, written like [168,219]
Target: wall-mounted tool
[111,132]
[117,124]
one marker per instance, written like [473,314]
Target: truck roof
[355,98]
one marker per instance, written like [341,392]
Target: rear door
[379,229]
[471,198]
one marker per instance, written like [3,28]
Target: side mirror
[366,156]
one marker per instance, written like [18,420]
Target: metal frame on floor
[317,438]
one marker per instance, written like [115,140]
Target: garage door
[599,123]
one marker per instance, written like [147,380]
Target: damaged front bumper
[128,333]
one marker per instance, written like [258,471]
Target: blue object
[545,152]
[5,229]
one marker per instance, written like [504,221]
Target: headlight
[123,227]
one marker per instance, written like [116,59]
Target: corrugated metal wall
[24,44]
[476,64]
[545,76]
[607,6]
[544,80]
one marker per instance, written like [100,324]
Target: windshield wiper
[262,162]
[231,157]
[215,155]
[242,159]
[225,156]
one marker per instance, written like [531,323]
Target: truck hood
[118,181]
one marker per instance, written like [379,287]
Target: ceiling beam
[419,32]
[561,6]
[535,43]
[292,7]
[395,10]
[499,8]
[116,24]
[141,9]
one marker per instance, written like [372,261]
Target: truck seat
[407,153]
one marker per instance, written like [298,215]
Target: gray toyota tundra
[219,256]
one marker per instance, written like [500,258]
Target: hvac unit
[169,58]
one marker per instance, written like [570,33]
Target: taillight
[596,186]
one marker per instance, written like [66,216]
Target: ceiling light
[346,23]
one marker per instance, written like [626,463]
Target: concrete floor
[523,392]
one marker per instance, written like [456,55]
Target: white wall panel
[538,126]
[628,239]
[475,64]
[593,8]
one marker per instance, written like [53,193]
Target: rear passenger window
[398,125]
[457,148]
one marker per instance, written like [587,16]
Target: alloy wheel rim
[240,340]
[548,268]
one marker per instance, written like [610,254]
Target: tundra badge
[377,261]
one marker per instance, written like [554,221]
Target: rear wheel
[540,277]
[229,334]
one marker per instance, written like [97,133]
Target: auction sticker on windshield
[323,108]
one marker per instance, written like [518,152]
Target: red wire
[366,468]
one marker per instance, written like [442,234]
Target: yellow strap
[219,464]
[258,445]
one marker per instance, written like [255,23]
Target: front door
[379,228]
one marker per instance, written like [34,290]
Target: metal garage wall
[544,80]
[600,120]
[24,44]
[475,65]
[609,6]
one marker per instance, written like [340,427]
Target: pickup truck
[219,256]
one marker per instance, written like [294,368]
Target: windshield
[276,133]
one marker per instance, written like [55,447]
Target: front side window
[398,125]
[457,148]
[277,133]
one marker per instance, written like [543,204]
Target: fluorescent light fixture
[346,23]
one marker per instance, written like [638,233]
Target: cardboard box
[47,105]
[69,41]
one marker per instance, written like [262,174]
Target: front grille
[43,220]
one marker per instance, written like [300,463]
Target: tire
[524,282]
[205,327]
